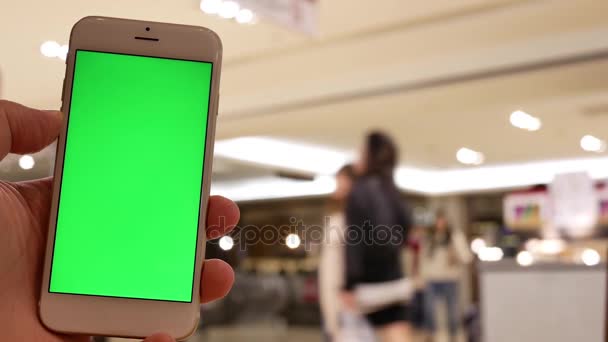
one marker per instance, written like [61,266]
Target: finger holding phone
[124,235]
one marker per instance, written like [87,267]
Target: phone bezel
[125,317]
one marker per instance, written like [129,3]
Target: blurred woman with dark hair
[446,253]
[377,227]
[331,264]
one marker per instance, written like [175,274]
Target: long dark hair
[445,239]
[381,156]
[347,170]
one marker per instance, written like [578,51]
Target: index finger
[222,215]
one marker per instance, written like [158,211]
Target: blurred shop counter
[542,302]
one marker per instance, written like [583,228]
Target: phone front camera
[147,29]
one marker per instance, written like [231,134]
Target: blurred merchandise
[575,204]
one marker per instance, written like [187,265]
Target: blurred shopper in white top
[444,254]
[331,266]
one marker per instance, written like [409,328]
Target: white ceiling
[438,74]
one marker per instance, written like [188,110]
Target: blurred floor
[261,334]
[253,333]
[274,334]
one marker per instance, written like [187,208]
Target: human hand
[24,214]
[349,301]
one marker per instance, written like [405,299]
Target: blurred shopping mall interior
[499,109]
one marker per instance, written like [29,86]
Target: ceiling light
[415,179]
[469,157]
[323,160]
[292,241]
[263,188]
[245,16]
[523,120]
[62,52]
[283,154]
[424,181]
[229,9]
[490,254]
[211,6]
[26,162]
[50,48]
[226,243]
[497,177]
[590,143]
[525,258]
[477,244]
[590,257]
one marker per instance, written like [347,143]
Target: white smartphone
[126,238]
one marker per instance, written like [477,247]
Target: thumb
[159,337]
[26,130]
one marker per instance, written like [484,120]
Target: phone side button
[63,89]
[62,92]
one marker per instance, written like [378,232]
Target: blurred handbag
[354,328]
[373,297]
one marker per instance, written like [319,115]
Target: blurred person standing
[413,260]
[377,228]
[445,253]
[331,264]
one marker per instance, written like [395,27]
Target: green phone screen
[130,192]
